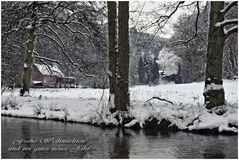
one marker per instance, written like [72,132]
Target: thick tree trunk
[122,88]
[112,54]
[28,62]
[214,92]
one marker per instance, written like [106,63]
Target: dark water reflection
[26,135]
[111,143]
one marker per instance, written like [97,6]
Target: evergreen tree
[154,72]
[141,71]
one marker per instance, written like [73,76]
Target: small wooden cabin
[50,76]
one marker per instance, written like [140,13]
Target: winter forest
[119,79]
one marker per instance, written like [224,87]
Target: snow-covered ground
[89,105]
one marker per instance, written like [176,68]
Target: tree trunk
[214,92]
[28,57]
[122,90]
[28,62]
[112,53]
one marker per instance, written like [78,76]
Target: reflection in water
[211,153]
[121,144]
[155,132]
[114,143]
[26,135]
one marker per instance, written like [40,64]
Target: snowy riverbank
[88,106]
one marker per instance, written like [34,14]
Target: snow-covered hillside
[89,105]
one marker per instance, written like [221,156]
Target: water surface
[107,143]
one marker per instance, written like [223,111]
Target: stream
[30,138]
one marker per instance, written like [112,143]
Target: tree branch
[46,58]
[226,22]
[167,17]
[59,38]
[73,31]
[161,99]
[196,27]
[42,61]
[67,55]
[230,31]
[84,34]
[228,7]
[196,24]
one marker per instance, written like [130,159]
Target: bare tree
[49,20]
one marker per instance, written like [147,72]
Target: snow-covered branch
[74,32]
[15,29]
[42,60]
[83,25]
[226,22]
[58,37]
[231,30]
[79,32]
[228,7]
[66,54]
[46,58]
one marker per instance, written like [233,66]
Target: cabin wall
[49,81]
[36,75]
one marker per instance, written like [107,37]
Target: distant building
[170,67]
[50,76]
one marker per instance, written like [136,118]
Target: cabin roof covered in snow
[49,70]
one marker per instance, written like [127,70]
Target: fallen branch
[161,99]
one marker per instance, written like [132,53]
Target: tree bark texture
[214,96]
[122,91]
[28,57]
[112,48]
[28,62]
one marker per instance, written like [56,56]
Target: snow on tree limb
[15,29]
[58,37]
[84,26]
[46,58]
[226,22]
[74,32]
[228,7]
[66,54]
[231,30]
[42,60]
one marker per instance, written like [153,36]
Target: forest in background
[83,37]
